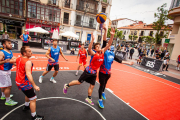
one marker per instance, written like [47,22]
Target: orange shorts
[82,61]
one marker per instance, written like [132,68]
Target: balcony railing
[66,21]
[85,24]
[88,10]
[52,2]
[67,5]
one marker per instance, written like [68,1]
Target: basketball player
[53,55]
[105,69]
[25,82]
[89,74]
[83,57]
[6,63]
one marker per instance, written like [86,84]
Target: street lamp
[87,5]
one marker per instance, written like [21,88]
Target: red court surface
[152,96]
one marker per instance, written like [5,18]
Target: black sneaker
[25,108]
[38,117]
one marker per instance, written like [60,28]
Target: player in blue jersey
[25,38]
[105,69]
[53,61]
[6,62]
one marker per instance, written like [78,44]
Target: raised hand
[112,32]
[92,35]
[104,27]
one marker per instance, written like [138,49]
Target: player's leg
[82,78]
[31,96]
[80,64]
[56,68]
[9,102]
[49,67]
[101,86]
[90,90]
[106,79]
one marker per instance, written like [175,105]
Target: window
[43,12]
[66,18]
[78,19]
[103,10]
[78,34]
[151,33]
[142,33]
[11,7]
[177,3]
[91,22]
[131,32]
[135,32]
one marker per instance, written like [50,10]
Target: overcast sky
[142,10]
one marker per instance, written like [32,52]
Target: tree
[148,40]
[120,35]
[135,37]
[159,25]
[109,35]
[131,37]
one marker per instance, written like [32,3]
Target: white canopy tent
[38,30]
[69,34]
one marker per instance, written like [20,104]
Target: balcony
[53,2]
[67,5]
[88,10]
[85,24]
[66,21]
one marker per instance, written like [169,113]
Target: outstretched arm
[47,55]
[63,55]
[104,36]
[110,41]
[91,52]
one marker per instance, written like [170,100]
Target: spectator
[118,47]
[72,52]
[148,52]
[144,52]
[139,50]
[5,35]
[140,59]
[162,55]
[131,53]
[167,52]
[152,51]
[166,62]
[158,55]
[112,47]
[25,38]
[178,62]
[127,50]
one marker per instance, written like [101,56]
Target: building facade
[78,13]
[122,22]
[174,43]
[12,17]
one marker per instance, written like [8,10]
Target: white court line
[126,103]
[56,98]
[149,78]
[59,61]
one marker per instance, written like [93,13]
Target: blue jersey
[6,66]
[55,55]
[25,37]
[108,60]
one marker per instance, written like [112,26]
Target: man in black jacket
[131,53]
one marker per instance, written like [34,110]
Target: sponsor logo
[111,57]
[150,64]
[56,53]
[99,60]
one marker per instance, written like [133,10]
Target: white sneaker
[76,73]
[178,68]
[40,79]
[52,80]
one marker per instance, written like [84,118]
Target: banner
[152,64]
[120,55]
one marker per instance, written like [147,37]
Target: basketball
[101,17]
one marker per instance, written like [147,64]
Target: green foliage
[161,16]
[120,35]
[135,37]
[130,37]
[148,39]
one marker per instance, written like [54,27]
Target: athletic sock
[77,72]
[7,99]
[100,99]
[68,85]
[26,103]
[52,77]
[33,114]
[41,76]
[89,97]
[3,95]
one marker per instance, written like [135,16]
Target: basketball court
[131,95]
